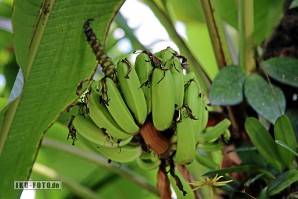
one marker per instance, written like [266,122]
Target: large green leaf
[54,56]
[266,16]
[267,100]
[263,141]
[227,87]
[284,132]
[284,70]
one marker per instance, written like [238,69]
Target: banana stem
[217,33]
[220,45]
[194,64]
[75,187]
[102,162]
[108,67]
[246,29]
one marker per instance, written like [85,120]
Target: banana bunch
[150,112]
[153,93]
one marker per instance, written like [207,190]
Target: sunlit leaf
[52,51]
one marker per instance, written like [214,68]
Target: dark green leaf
[263,194]
[284,70]
[227,87]
[284,132]
[267,100]
[263,141]
[52,51]
[283,181]
[292,113]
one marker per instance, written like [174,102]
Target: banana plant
[49,67]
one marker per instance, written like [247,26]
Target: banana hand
[102,117]
[116,106]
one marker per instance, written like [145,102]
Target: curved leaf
[283,181]
[284,70]
[267,100]
[284,132]
[54,56]
[263,141]
[227,87]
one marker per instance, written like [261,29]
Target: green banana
[163,105]
[116,106]
[131,89]
[143,68]
[194,98]
[186,186]
[186,143]
[177,74]
[87,129]
[102,118]
[127,153]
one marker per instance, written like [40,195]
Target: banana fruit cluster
[150,112]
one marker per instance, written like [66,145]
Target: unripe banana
[87,129]
[194,98]
[117,107]
[177,74]
[131,90]
[124,154]
[163,105]
[143,68]
[102,118]
[148,164]
[186,143]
